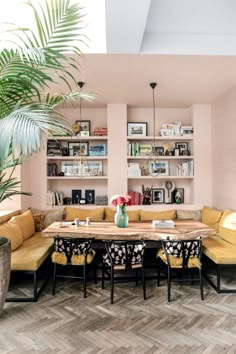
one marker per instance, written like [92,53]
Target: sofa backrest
[7,215]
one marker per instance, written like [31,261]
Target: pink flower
[121,200]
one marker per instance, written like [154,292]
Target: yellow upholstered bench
[29,250]
[221,249]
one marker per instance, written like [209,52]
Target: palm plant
[40,58]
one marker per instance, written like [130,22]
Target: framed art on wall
[137,129]
[159,167]
[90,196]
[179,195]
[84,127]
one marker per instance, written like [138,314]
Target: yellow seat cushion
[227,227]
[32,253]
[26,223]
[211,217]
[219,250]
[157,215]
[61,258]
[176,262]
[109,214]
[96,214]
[12,231]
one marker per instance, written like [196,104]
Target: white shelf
[160,157]
[79,138]
[75,177]
[161,138]
[76,158]
[162,177]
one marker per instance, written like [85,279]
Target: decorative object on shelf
[76,128]
[54,148]
[121,218]
[179,195]
[84,127]
[90,196]
[182,146]
[186,130]
[147,195]
[76,196]
[137,129]
[167,148]
[101,200]
[169,187]
[171,129]
[186,153]
[159,150]
[100,131]
[97,149]
[158,195]
[67,200]
[176,152]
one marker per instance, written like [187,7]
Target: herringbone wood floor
[68,323]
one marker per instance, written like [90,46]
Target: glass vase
[121,217]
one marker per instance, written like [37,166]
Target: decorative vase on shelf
[121,217]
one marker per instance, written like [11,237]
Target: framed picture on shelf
[181,145]
[159,150]
[158,195]
[179,195]
[84,127]
[70,168]
[159,167]
[94,168]
[90,196]
[78,149]
[76,196]
[137,129]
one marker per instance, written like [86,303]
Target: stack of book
[101,200]
[145,149]
[185,169]
[163,224]
[100,131]
[134,170]
[136,198]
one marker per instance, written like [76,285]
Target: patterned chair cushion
[120,257]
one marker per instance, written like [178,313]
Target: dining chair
[181,255]
[71,252]
[123,256]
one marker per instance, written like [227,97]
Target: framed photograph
[160,167]
[179,195]
[70,168]
[84,127]
[159,150]
[158,195]
[181,145]
[78,149]
[76,196]
[94,168]
[90,196]
[137,129]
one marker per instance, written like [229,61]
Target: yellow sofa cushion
[110,213]
[7,215]
[219,250]
[227,227]
[32,253]
[157,215]
[12,231]
[211,217]
[49,216]
[26,223]
[96,214]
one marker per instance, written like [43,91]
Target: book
[163,224]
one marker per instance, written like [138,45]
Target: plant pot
[5,269]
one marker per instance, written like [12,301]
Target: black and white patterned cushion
[119,257]
[70,247]
[175,249]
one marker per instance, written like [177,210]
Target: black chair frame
[185,255]
[68,253]
[129,252]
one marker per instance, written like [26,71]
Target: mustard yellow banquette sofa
[29,250]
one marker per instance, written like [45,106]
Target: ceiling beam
[125,25]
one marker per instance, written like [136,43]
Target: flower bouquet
[121,200]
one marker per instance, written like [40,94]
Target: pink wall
[224,151]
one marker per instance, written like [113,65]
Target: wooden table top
[184,229]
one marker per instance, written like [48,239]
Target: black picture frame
[84,127]
[90,196]
[158,195]
[180,192]
[78,149]
[159,150]
[137,129]
[181,145]
[76,196]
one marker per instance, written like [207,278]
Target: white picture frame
[160,168]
